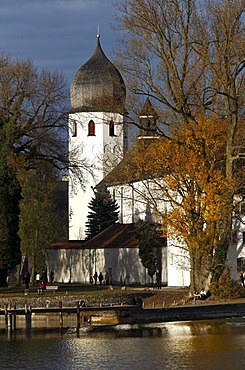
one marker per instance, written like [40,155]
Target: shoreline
[157,306]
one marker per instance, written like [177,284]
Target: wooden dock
[10,312]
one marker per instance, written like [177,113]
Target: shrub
[226,288]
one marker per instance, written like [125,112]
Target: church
[98,134]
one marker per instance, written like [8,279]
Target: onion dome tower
[98,86]
[96,131]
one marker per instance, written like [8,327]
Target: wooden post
[6,316]
[78,318]
[10,321]
[28,319]
[61,316]
[15,317]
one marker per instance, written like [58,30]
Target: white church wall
[78,265]
[100,153]
[178,265]
[237,246]
[133,205]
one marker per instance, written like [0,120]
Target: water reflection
[179,345]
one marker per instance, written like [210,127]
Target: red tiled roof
[115,236]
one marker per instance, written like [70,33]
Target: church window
[91,128]
[149,124]
[74,128]
[111,128]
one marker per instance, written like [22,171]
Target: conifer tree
[149,240]
[104,212]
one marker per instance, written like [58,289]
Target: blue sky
[56,34]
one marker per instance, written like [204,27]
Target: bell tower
[148,120]
[96,132]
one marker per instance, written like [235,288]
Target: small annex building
[114,250]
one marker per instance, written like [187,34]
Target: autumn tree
[103,212]
[183,182]
[39,222]
[188,57]
[33,130]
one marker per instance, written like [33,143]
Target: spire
[148,120]
[98,33]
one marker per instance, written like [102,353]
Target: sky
[56,34]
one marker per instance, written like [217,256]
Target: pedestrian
[158,275]
[27,279]
[95,278]
[154,279]
[101,277]
[51,276]
[37,278]
[44,277]
[242,278]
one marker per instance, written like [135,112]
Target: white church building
[98,133]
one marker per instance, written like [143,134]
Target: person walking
[242,278]
[37,278]
[51,276]
[154,279]
[95,278]
[158,275]
[101,278]
[27,279]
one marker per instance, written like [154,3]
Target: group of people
[40,280]
[44,277]
[100,278]
[202,295]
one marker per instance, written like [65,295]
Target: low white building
[115,250]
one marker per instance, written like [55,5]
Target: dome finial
[98,32]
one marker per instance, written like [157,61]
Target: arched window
[91,128]
[111,128]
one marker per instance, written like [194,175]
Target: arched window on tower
[111,128]
[91,128]
[74,128]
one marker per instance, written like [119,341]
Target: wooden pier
[131,314]
[82,314]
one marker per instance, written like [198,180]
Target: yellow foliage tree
[187,174]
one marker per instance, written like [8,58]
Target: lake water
[217,345]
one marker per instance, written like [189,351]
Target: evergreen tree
[104,212]
[9,219]
[149,240]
